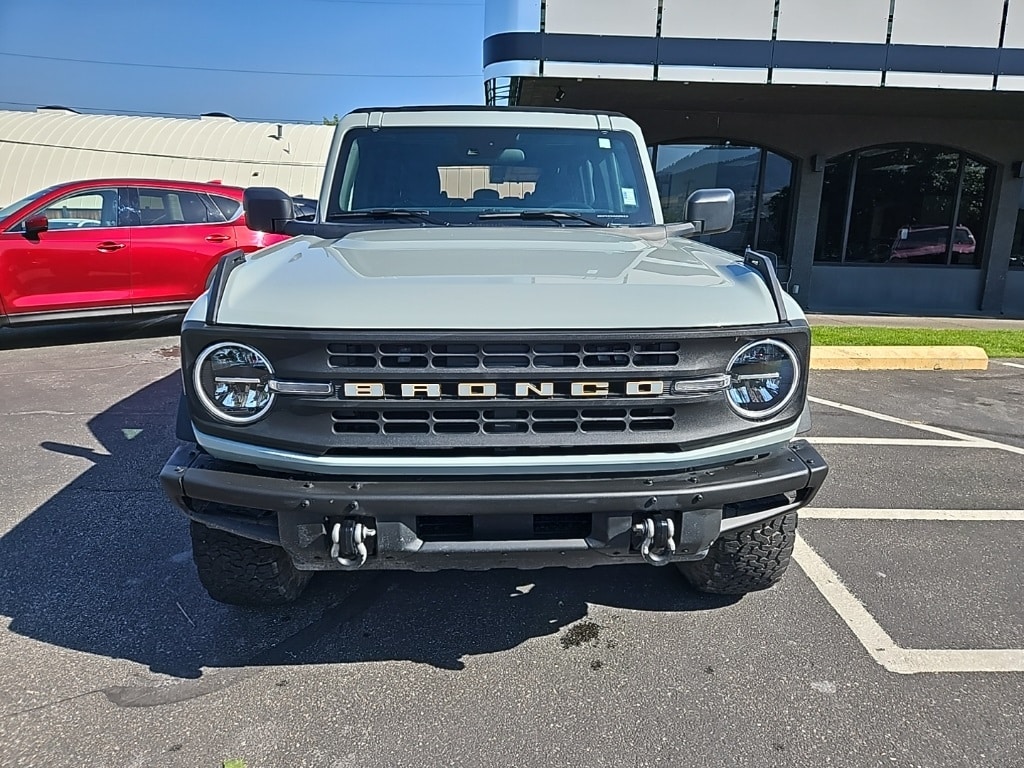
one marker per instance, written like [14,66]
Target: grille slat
[505,421]
[544,355]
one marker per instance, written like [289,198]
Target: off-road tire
[240,571]
[745,560]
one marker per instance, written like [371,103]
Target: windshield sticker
[604,143]
[628,196]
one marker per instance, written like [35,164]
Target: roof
[52,146]
[488,108]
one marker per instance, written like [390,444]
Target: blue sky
[393,52]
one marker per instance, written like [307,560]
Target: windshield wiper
[537,215]
[387,213]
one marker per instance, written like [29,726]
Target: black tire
[240,571]
[745,560]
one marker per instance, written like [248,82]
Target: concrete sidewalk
[906,321]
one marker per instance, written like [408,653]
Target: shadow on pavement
[104,567]
[60,334]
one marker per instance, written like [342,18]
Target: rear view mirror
[267,209]
[711,210]
[36,224]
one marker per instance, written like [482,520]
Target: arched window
[761,179]
[904,204]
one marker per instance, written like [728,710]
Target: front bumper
[479,523]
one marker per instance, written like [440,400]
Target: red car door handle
[109,246]
[217,238]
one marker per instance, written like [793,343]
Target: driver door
[79,265]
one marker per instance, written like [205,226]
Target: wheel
[240,571]
[745,560]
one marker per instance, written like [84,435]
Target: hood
[494,278]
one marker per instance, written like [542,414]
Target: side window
[159,207]
[227,206]
[79,210]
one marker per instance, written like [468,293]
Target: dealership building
[876,147]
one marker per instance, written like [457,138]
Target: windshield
[457,173]
[5,212]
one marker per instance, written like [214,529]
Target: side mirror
[36,224]
[711,210]
[267,209]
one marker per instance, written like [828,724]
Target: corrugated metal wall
[38,149]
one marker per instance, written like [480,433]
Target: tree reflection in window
[760,179]
[908,204]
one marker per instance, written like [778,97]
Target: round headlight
[763,378]
[233,382]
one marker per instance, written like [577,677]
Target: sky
[274,60]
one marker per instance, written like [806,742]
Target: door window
[226,205]
[80,210]
[161,207]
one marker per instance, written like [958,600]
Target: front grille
[502,421]
[543,355]
[494,393]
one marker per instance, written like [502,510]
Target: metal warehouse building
[876,146]
[51,145]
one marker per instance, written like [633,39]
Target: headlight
[233,382]
[763,379]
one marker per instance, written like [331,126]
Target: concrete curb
[898,359]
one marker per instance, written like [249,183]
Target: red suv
[116,247]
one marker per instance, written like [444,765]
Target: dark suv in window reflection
[927,245]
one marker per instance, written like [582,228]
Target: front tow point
[348,543]
[659,543]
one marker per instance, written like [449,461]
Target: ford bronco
[487,350]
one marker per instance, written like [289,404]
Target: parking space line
[877,642]
[917,425]
[1011,365]
[859,513]
[910,441]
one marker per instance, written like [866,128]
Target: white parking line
[1011,365]
[877,642]
[910,441]
[917,425]
[858,513]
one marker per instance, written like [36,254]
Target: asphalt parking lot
[897,640]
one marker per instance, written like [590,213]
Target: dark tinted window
[166,206]
[760,179]
[227,206]
[913,204]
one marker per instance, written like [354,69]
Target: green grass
[995,343]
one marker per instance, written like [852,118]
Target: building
[52,145]
[877,146]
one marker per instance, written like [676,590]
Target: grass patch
[1000,343]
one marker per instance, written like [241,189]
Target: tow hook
[348,543]
[659,542]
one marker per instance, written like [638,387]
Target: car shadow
[104,567]
[61,334]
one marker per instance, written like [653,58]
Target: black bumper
[480,523]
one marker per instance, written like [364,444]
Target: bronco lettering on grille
[513,390]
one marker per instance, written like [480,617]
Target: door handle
[217,238]
[108,246]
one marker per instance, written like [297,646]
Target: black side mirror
[36,224]
[267,209]
[711,210]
